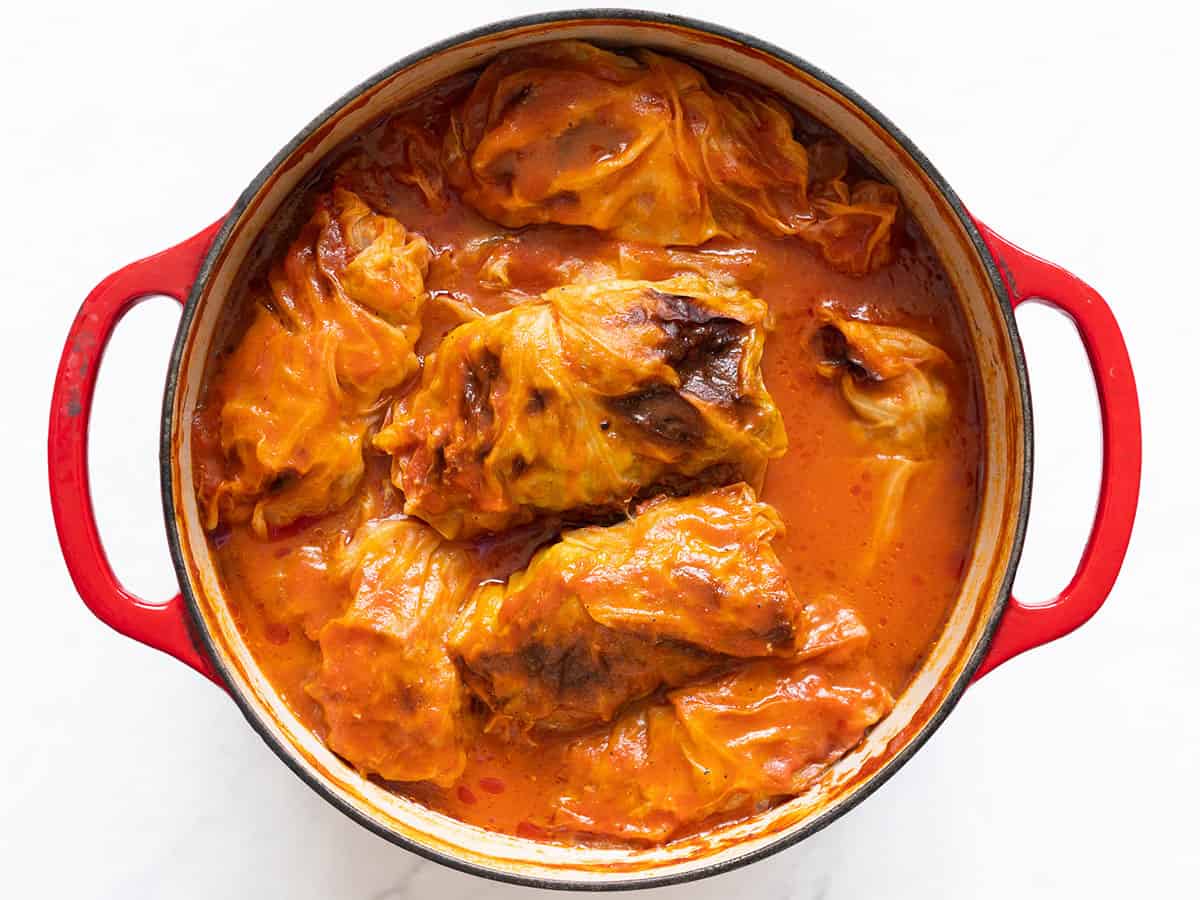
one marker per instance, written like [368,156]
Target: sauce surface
[828,488]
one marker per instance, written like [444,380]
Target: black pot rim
[826,816]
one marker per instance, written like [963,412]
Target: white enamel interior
[996,531]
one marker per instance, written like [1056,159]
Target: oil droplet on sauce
[492,785]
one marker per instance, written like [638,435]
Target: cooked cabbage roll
[607,615]
[392,697]
[584,399]
[766,730]
[699,570]
[643,147]
[774,726]
[890,378]
[334,331]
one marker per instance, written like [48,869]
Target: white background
[1071,771]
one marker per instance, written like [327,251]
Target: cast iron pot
[986,627]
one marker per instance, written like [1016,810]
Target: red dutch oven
[987,624]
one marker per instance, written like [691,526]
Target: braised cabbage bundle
[392,697]
[582,400]
[607,615]
[643,147]
[766,730]
[335,330]
[890,377]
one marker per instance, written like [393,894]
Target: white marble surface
[1069,127]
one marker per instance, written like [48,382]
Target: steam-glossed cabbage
[288,410]
[392,698]
[644,147]
[606,615]
[583,400]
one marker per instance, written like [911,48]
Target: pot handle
[1022,626]
[164,626]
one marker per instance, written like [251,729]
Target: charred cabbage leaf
[645,148]
[333,332]
[607,615]
[583,399]
[392,697]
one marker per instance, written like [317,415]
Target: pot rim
[839,806]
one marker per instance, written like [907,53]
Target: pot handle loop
[164,626]
[1031,278]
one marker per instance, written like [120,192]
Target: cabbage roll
[584,400]
[607,615]
[643,147]
[764,731]
[890,378]
[334,331]
[392,697]
[774,726]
